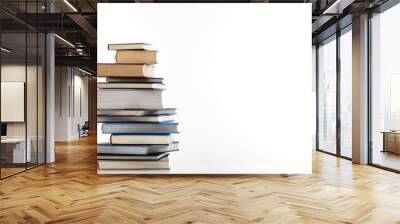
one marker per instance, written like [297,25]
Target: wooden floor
[69,191]
[386,159]
[5,172]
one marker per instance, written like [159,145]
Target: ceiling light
[65,41]
[5,50]
[70,5]
[338,6]
[84,71]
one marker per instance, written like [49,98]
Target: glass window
[14,153]
[346,94]
[327,96]
[385,89]
[31,97]
[22,92]
[41,88]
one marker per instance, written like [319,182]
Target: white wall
[61,103]
[79,117]
[33,126]
[239,74]
[68,82]
[12,73]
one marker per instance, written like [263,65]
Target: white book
[128,98]
[130,86]
[136,112]
[136,149]
[142,139]
[159,118]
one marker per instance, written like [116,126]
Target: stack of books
[130,109]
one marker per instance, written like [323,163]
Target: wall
[33,127]
[79,109]
[61,103]
[71,102]
[13,72]
[240,81]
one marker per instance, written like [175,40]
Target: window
[22,78]
[327,96]
[346,93]
[385,89]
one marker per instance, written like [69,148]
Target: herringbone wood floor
[69,191]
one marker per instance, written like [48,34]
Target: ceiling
[75,21]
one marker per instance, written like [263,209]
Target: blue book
[139,128]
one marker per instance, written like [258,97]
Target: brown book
[136,56]
[133,165]
[131,46]
[124,70]
[141,171]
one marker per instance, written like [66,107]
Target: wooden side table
[391,141]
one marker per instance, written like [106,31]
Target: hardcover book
[134,165]
[128,98]
[154,118]
[136,112]
[130,86]
[132,172]
[156,139]
[139,128]
[131,46]
[136,149]
[134,80]
[152,157]
[136,56]
[124,70]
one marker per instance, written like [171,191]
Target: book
[124,70]
[128,98]
[134,165]
[134,80]
[131,46]
[136,112]
[136,56]
[130,86]
[130,111]
[136,149]
[139,128]
[124,139]
[133,172]
[154,118]
[153,157]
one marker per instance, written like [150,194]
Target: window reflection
[385,89]
[327,96]
[22,91]
[346,94]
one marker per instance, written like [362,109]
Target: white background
[239,74]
